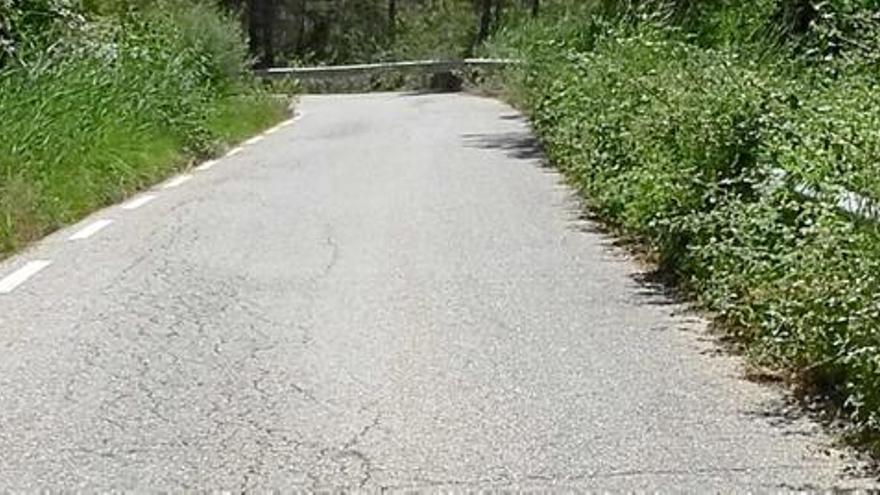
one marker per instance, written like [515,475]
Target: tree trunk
[302,12]
[535,7]
[485,20]
[499,12]
[392,17]
[261,30]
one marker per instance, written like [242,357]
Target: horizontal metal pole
[847,202]
[356,69]
[844,200]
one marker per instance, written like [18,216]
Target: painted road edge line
[235,151]
[206,166]
[180,179]
[90,230]
[254,140]
[20,276]
[139,201]
[282,125]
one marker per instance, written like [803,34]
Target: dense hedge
[678,141]
[93,107]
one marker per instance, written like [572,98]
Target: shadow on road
[653,285]
[654,288]
[521,145]
[425,92]
[514,116]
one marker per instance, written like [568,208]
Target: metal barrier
[843,199]
[425,66]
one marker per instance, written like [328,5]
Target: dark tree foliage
[338,31]
[485,20]
[262,15]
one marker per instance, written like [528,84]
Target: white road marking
[272,130]
[180,179]
[138,202]
[235,151]
[90,230]
[254,140]
[206,166]
[20,276]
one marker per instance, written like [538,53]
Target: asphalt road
[390,293]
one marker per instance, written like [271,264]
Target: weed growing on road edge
[675,126]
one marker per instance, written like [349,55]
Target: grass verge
[118,165]
[239,117]
[98,102]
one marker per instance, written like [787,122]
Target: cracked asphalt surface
[393,293]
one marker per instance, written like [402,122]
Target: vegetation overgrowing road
[671,118]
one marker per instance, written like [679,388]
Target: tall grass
[673,124]
[113,104]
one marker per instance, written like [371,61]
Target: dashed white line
[138,202]
[180,179]
[206,166]
[254,140]
[235,151]
[90,230]
[20,276]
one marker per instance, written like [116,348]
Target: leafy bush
[832,136]
[30,25]
[829,29]
[353,31]
[445,30]
[677,134]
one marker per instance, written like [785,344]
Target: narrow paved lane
[391,292]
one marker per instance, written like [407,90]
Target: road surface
[390,293]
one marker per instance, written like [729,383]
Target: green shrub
[848,29]
[831,137]
[27,26]
[679,142]
[444,30]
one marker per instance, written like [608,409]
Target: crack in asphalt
[350,449]
[334,256]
